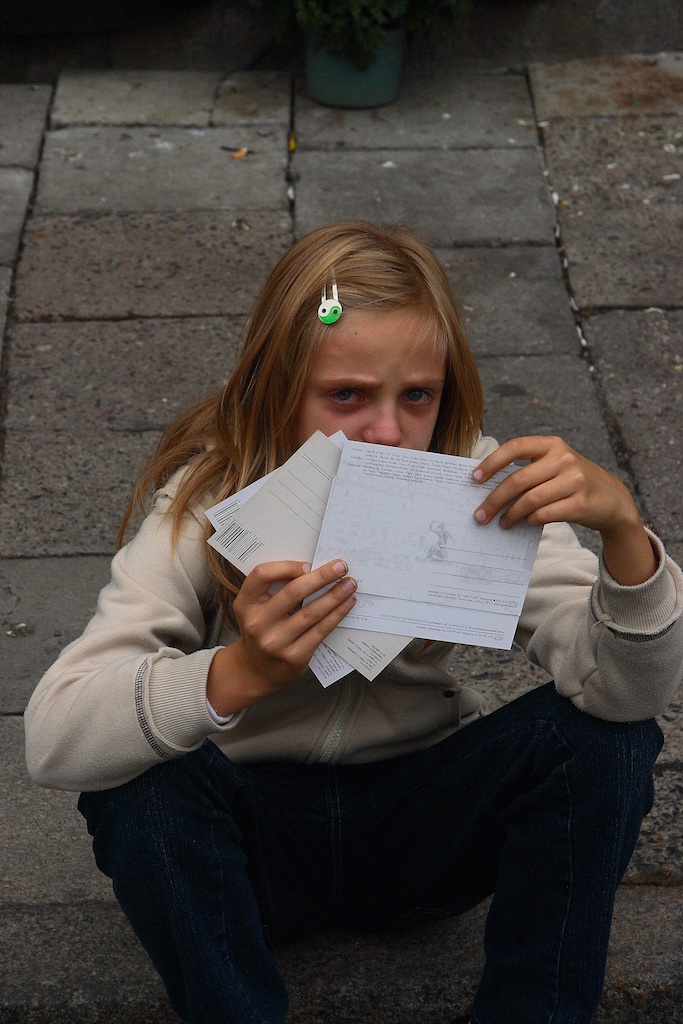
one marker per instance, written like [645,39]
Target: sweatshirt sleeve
[615,651]
[131,691]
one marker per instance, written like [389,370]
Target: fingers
[300,583]
[558,484]
[277,629]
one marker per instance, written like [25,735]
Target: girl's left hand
[559,485]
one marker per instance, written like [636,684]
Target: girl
[235,802]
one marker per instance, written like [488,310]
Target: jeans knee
[118,820]
[615,761]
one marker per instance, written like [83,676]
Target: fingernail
[349,584]
[340,567]
[305,566]
[505,523]
[478,474]
[480,515]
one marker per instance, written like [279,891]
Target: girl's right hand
[278,634]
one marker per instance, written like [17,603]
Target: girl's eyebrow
[355,380]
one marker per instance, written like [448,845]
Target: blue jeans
[537,803]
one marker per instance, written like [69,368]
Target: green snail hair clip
[330,310]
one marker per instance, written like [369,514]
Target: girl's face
[372,379]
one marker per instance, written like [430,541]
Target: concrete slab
[450,110]
[675,549]
[109,169]
[134,97]
[616,162]
[47,856]
[391,185]
[620,188]
[15,190]
[545,395]
[80,964]
[643,980]
[77,963]
[23,115]
[254,97]
[512,300]
[172,264]
[658,856]
[63,496]
[44,605]
[605,86]
[395,978]
[626,257]
[639,359]
[86,956]
[82,379]
[5,282]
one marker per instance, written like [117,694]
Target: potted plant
[354,48]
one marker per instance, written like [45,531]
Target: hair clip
[330,311]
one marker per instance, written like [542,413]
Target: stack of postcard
[404,523]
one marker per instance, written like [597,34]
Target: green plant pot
[336,82]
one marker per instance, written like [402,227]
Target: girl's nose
[383,429]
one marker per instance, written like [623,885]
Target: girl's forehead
[407,328]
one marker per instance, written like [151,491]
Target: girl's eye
[417,395]
[345,395]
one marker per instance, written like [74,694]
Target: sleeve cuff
[646,609]
[218,719]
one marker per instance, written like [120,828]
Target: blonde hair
[250,428]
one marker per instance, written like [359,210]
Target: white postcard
[281,519]
[404,521]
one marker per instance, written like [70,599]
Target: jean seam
[335,817]
[563,930]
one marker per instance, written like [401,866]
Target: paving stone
[545,395]
[643,981]
[254,97]
[388,185]
[394,978]
[64,496]
[77,963]
[639,359]
[80,964]
[107,169]
[81,379]
[623,258]
[620,185]
[5,282]
[512,300]
[443,110]
[604,86]
[134,97]
[23,113]
[172,264]
[15,190]
[619,163]
[658,856]
[44,605]
[47,856]
[675,549]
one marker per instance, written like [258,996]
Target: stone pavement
[134,236]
